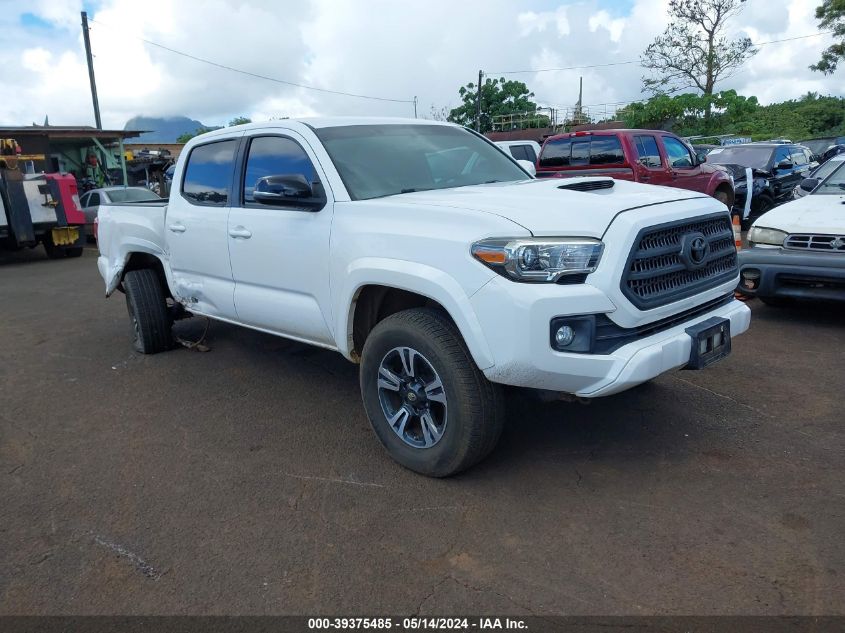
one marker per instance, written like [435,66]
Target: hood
[545,206]
[816,213]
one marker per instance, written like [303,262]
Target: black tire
[148,315]
[474,414]
[73,251]
[722,196]
[53,251]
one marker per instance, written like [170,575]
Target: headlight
[759,235]
[539,259]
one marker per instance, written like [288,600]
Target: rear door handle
[240,232]
[177,227]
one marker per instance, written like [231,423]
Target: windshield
[835,183]
[826,169]
[132,194]
[745,155]
[384,160]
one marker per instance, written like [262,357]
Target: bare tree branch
[693,52]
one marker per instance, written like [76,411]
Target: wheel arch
[375,291]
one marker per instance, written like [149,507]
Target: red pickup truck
[650,156]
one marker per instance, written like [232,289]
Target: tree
[187,136]
[693,51]
[239,120]
[831,17]
[498,97]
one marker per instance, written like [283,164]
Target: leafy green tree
[693,51]
[831,17]
[239,120]
[498,97]
[187,136]
[808,117]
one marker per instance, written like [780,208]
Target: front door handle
[240,232]
[177,227]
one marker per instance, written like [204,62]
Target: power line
[637,61]
[259,76]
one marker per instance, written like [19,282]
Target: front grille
[805,242]
[658,272]
[589,185]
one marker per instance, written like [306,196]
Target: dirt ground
[246,480]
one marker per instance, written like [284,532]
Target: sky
[392,50]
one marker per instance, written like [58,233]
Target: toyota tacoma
[425,254]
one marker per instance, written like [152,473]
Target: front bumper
[790,274]
[516,323]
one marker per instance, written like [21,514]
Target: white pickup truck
[433,259]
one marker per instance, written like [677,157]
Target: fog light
[573,334]
[750,279]
[564,336]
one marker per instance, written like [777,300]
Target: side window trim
[242,158]
[230,190]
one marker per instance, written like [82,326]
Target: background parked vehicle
[818,146]
[776,168]
[521,150]
[701,151]
[798,250]
[91,200]
[817,175]
[833,150]
[648,156]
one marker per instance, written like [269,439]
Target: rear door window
[94,200]
[606,150]
[208,174]
[647,152]
[523,152]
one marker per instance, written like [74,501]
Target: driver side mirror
[808,184]
[287,190]
[784,164]
[528,166]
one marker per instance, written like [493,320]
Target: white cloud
[382,48]
[614,26]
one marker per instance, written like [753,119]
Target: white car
[798,249]
[817,175]
[432,259]
[91,200]
[522,150]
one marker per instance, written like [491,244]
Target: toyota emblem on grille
[694,250]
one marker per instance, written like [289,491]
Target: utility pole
[91,70]
[415,106]
[478,103]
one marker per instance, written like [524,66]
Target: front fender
[417,278]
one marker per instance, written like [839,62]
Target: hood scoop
[588,184]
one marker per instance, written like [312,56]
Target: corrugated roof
[66,132]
